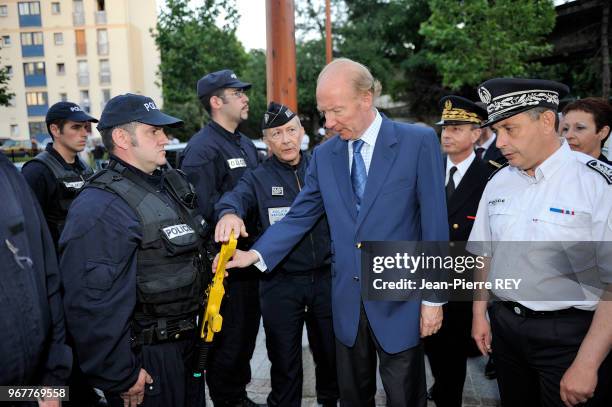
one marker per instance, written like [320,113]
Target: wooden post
[328,33]
[280,54]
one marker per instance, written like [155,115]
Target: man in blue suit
[377,180]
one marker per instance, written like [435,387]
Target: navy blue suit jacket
[403,200]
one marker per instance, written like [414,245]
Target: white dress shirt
[462,168]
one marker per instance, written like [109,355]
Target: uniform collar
[553,163]
[153,179]
[224,132]
[279,163]
[77,163]
[463,166]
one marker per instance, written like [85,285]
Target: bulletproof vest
[171,274]
[69,184]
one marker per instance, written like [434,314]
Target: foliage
[5,94]
[255,73]
[191,45]
[474,40]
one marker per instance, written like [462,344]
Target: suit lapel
[382,161]
[343,180]
[464,190]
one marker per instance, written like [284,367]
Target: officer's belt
[166,330]
[521,310]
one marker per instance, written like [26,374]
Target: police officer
[299,289]
[32,335]
[57,174]
[132,268]
[214,160]
[551,336]
[466,177]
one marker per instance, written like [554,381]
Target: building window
[33,68]
[84,102]
[82,73]
[29,8]
[14,131]
[61,69]
[105,73]
[102,37]
[55,7]
[37,128]
[6,40]
[9,70]
[58,38]
[81,44]
[63,97]
[33,38]
[36,98]
[3,10]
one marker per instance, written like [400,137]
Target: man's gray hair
[107,135]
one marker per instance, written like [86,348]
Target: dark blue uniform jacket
[32,333]
[270,189]
[214,160]
[98,262]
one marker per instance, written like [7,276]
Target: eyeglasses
[237,93]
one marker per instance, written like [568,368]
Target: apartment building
[84,51]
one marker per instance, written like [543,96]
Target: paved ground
[478,391]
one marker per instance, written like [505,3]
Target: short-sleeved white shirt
[567,202]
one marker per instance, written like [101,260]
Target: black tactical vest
[170,274]
[69,184]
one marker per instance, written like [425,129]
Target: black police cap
[134,108]
[67,111]
[506,97]
[276,116]
[459,110]
[219,80]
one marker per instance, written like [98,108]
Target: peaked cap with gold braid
[458,110]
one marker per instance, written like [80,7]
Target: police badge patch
[602,168]
[277,191]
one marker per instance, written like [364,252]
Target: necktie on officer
[480,152]
[359,175]
[450,187]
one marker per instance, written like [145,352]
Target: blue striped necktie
[359,175]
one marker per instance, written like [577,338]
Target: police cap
[219,80]
[67,111]
[276,116]
[506,97]
[458,110]
[134,108]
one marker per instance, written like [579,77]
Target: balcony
[78,19]
[83,79]
[105,78]
[30,20]
[100,17]
[35,80]
[103,48]
[38,110]
[80,48]
[32,51]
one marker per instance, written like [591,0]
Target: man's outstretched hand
[227,224]
[241,259]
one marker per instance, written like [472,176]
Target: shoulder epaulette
[501,166]
[601,168]
[495,164]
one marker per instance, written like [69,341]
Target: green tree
[192,45]
[474,40]
[5,93]
[255,73]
